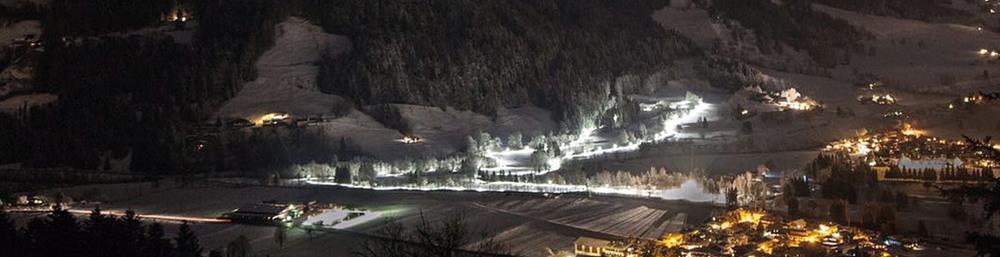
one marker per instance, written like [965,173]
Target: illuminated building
[267,213]
[587,246]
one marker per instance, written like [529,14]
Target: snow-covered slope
[693,23]
[287,72]
[917,54]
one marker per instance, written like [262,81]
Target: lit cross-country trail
[588,145]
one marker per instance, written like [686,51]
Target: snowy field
[693,23]
[930,50]
[517,217]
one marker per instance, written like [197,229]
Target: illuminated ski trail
[517,161]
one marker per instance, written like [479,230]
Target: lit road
[157,217]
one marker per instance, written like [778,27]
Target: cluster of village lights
[865,144]
[799,233]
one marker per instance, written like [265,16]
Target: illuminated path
[689,190]
[586,145]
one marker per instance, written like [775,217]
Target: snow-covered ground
[286,80]
[340,218]
[930,51]
[514,217]
[693,23]
[690,190]
[589,144]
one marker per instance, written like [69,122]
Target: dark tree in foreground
[987,194]
[62,234]
[8,235]
[187,242]
[448,237]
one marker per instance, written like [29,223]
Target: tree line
[133,93]
[472,55]
[794,23]
[61,234]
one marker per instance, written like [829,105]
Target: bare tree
[447,237]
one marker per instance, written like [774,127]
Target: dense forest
[557,54]
[137,94]
[144,95]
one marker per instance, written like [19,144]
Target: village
[907,155]
[742,232]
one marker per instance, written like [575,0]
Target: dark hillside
[481,55]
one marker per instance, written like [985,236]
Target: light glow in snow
[690,190]
[585,146]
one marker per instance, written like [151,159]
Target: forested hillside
[794,23]
[135,93]
[482,55]
[145,94]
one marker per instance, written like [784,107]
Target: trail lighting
[272,118]
[410,140]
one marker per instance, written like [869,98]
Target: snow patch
[693,23]
[287,74]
